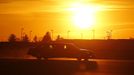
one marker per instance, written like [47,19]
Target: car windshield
[73,46]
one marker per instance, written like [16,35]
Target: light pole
[109,34]
[68,32]
[52,31]
[22,29]
[93,33]
[81,35]
[30,36]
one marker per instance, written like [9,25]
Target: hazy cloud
[8,1]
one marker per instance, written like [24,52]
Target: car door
[59,50]
[72,51]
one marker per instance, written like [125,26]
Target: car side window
[51,46]
[65,46]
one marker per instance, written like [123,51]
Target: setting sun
[84,19]
[84,15]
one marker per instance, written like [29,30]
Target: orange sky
[40,16]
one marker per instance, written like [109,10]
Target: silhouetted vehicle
[59,50]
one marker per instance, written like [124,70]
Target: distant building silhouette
[131,38]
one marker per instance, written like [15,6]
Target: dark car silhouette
[59,50]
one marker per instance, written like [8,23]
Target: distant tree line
[13,38]
[47,38]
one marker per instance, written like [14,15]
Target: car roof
[58,43]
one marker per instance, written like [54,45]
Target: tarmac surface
[66,67]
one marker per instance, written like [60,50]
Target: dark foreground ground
[66,67]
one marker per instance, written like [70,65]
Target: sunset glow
[77,16]
[84,16]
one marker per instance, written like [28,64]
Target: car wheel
[39,58]
[79,59]
[86,59]
[42,58]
